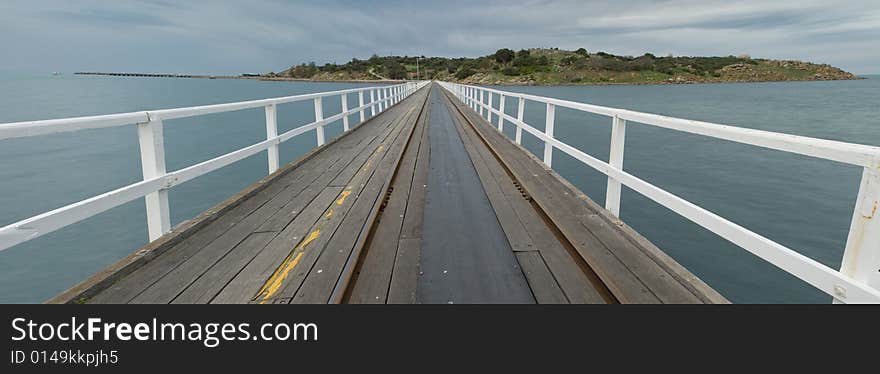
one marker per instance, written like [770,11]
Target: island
[549,66]
[554,66]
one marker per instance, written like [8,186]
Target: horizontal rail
[849,153]
[43,127]
[858,280]
[44,223]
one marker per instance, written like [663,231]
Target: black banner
[245,337]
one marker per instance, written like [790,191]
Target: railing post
[344,110]
[481,103]
[152,146]
[548,130]
[519,116]
[319,117]
[615,159]
[381,94]
[271,132]
[489,109]
[861,258]
[372,103]
[501,113]
[361,104]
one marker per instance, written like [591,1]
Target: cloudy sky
[225,36]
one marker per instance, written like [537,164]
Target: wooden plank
[632,276]
[190,237]
[318,285]
[413,218]
[130,286]
[133,285]
[203,289]
[624,285]
[405,277]
[371,281]
[174,282]
[405,274]
[574,279]
[245,284]
[354,192]
[248,282]
[544,286]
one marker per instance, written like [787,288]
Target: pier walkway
[424,203]
[427,201]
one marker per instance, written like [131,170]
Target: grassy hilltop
[553,66]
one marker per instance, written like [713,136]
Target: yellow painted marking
[342,196]
[277,279]
[274,283]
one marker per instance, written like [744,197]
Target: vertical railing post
[548,130]
[520,110]
[615,159]
[501,113]
[372,103]
[271,132]
[319,118]
[152,146]
[481,103]
[345,111]
[861,258]
[361,104]
[382,96]
[489,109]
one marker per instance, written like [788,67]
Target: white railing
[156,180]
[858,280]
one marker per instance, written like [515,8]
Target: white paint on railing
[861,258]
[858,280]
[615,159]
[152,147]
[272,132]
[549,124]
[520,111]
[501,118]
[157,180]
[344,98]
[319,119]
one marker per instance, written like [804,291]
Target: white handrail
[157,180]
[858,280]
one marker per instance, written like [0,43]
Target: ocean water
[803,203]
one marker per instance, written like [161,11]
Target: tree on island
[504,55]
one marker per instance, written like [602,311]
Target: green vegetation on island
[553,66]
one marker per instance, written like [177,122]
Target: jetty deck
[424,203]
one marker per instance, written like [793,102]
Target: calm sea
[803,203]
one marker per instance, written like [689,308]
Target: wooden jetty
[425,200]
[424,203]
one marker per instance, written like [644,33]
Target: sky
[232,37]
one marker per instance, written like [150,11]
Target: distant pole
[418,75]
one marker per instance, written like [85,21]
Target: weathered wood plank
[370,284]
[245,284]
[319,284]
[353,192]
[541,280]
[203,289]
[174,282]
[405,276]
[131,286]
[574,279]
[632,276]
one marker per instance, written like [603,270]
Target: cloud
[265,35]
